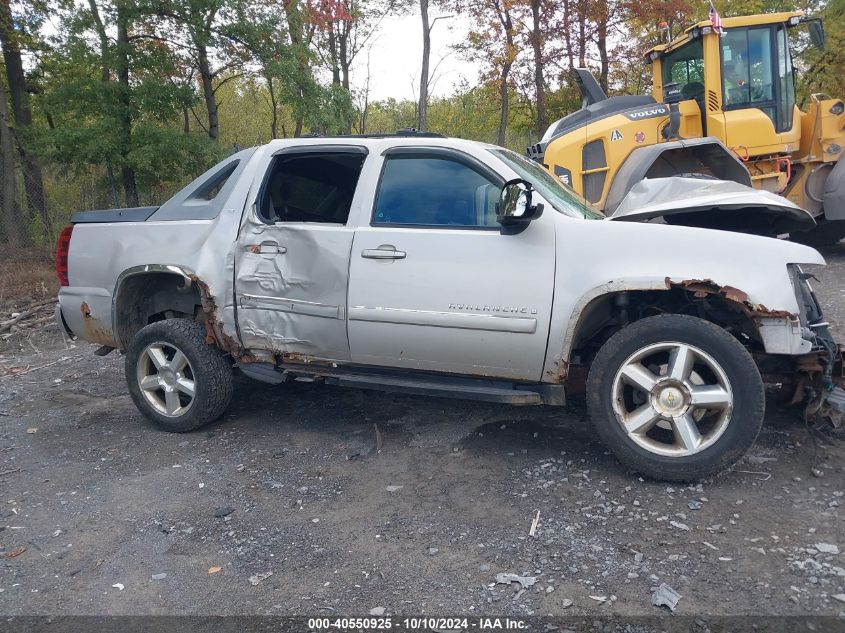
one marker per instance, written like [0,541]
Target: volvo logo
[648,113]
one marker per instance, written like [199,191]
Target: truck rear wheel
[675,397]
[175,378]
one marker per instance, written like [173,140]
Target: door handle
[385,251]
[267,248]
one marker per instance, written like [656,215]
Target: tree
[21,126]
[493,42]
[112,100]
[538,35]
[345,28]
[11,220]
[301,34]
[422,108]
[279,39]
[822,71]
[201,31]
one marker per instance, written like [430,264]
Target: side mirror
[817,34]
[515,208]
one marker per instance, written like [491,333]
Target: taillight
[62,248]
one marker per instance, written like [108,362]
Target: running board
[439,388]
[425,385]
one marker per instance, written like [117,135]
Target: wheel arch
[143,293]
[607,308]
[672,159]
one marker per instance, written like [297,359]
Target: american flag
[715,20]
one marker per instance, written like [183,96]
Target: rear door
[293,255]
[435,286]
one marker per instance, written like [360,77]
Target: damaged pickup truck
[451,268]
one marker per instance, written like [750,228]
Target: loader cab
[742,80]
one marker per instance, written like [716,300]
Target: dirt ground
[103,514]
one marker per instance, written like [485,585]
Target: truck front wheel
[675,397]
[175,378]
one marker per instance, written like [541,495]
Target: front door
[291,269]
[435,286]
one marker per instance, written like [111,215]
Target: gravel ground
[103,514]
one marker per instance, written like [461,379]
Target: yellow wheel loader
[723,107]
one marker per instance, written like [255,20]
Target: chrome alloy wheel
[166,379]
[672,399]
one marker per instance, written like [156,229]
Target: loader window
[757,73]
[747,66]
[786,82]
[685,66]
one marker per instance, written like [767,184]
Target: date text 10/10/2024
[413,624]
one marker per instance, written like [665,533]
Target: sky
[396,57]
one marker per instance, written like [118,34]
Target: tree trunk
[567,34]
[345,63]
[343,56]
[582,34]
[333,56]
[103,36]
[274,119]
[539,62]
[207,79]
[422,110]
[601,42]
[130,191]
[300,46]
[504,100]
[115,199]
[11,220]
[22,114]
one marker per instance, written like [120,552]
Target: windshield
[564,200]
[685,67]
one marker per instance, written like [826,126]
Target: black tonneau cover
[135,214]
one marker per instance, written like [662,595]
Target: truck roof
[378,141]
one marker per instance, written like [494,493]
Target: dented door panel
[291,289]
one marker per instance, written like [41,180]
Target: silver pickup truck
[452,268]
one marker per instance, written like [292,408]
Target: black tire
[743,422]
[208,369]
[825,233]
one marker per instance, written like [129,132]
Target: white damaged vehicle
[451,268]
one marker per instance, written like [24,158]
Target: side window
[316,187]
[434,191]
